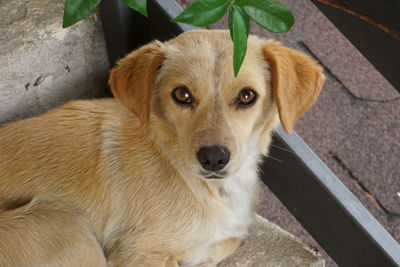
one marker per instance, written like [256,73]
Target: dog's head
[210,122]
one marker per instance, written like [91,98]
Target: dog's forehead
[199,47]
[209,53]
[203,39]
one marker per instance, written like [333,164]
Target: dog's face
[207,120]
[212,118]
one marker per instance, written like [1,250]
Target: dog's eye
[246,98]
[182,96]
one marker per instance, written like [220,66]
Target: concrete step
[269,245]
[43,66]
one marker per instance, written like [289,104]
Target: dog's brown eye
[246,98]
[182,96]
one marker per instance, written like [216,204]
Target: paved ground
[354,127]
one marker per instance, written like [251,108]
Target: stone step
[44,65]
[269,245]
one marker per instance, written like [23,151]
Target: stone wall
[43,65]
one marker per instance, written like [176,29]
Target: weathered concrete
[269,245]
[43,65]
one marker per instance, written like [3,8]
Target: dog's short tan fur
[96,183]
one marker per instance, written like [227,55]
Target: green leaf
[138,5]
[203,12]
[269,14]
[239,26]
[75,10]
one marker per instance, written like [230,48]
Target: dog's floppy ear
[133,78]
[296,81]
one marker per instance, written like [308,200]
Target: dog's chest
[238,195]
[236,209]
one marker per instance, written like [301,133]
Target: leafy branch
[268,14]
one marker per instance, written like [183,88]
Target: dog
[165,174]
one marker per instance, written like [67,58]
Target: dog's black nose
[213,158]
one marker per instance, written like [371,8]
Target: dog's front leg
[210,256]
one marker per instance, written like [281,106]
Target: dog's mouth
[213,175]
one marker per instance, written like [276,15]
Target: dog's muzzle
[213,158]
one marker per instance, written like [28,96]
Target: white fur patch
[236,193]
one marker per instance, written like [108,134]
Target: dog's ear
[296,81]
[132,80]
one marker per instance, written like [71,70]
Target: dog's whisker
[282,148]
[275,159]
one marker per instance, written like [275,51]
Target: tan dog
[170,176]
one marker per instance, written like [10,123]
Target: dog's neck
[239,191]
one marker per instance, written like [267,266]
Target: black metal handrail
[379,47]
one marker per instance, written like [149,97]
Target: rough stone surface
[353,70]
[269,245]
[43,65]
